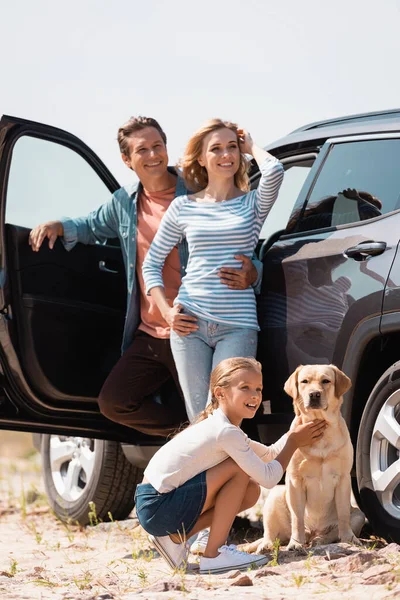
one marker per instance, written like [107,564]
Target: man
[133,215]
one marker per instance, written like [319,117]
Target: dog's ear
[342,382]
[292,390]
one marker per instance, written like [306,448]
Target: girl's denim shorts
[174,511]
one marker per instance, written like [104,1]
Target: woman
[220,220]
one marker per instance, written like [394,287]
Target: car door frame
[20,408]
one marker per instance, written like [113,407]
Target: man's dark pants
[126,396]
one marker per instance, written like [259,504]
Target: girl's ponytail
[209,409]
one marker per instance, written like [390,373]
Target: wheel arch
[372,349]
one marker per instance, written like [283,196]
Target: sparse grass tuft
[85,582]
[23,500]
[13,568]
[142,577]
[67,523]
[299,580]
[182,574]
[275,553]
[308,563]
[93,519]
[36,533]
[45,582]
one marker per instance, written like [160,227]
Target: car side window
[47,181]
[296,172]
[359,180]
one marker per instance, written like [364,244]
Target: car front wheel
[78,471]
[378,456]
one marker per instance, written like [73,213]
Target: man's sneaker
[175,554]
[200,543]
[230,558]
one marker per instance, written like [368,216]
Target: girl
[220,221]
[211,471]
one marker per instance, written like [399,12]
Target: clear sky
[272,66]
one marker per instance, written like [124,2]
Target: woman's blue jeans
[198,353]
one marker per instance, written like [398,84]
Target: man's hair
[136,124]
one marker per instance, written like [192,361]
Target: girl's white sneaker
[176,555]
[200,543]
[230,558]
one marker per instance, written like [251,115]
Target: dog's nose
[314,395]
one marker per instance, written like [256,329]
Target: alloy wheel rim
[71,463]
[385,455]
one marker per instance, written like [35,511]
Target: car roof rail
[357,117]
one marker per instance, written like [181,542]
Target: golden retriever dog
[314,506]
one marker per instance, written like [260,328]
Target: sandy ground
[42,558]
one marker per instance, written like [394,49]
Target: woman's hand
[179,322]
[248,146]
[246,143]
[308,433]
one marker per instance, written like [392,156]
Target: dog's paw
[317,541]
[264,546]
[258,546]
[295,546]
[249,547]
[350,539]
[244,547]
[321,540]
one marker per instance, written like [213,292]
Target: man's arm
[98,226]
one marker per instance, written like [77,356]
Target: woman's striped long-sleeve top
[215,233]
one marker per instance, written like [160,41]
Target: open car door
[62,313]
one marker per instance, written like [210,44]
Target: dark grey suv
[330,293]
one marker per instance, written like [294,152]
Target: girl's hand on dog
[308,433]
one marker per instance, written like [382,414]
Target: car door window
[47,181]
[296,172]
[359,180]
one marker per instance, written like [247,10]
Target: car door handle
[103,267]
[365,249]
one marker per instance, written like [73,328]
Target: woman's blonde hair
[222,376]
[196,176]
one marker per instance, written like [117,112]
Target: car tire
[377,456]
[78,471]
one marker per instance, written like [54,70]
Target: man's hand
[240,278]
[180,323]
[50,230]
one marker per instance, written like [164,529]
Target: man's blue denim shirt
[118,218]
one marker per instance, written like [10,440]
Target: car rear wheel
[78,471]
[378,456]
